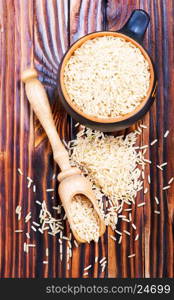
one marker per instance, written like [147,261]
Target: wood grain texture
[86,17]
[39,32]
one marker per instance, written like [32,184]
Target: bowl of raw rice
[107,79]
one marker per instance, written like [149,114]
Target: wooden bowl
[121,122]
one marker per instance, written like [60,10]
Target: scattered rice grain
[157,201]
[171,180]
[149,179]
[36,224]
[76,244]
[141,204]
[144,147]
[20,172]
[126,232]
[137,237]
[131,255]
[87,268]
[166,187]
[113,237]
[31,245]
[159,167]
[130,217]
[96,259]
[120,233]
[164,164]
[146,190]
[166,133]
[154,142]
[143,126]
[28,235]
[38,202]
[104,258]
[120,239]
[134,227]
[34,229]
[147,160]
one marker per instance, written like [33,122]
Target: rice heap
[107,77]
[112,165]
[85,219]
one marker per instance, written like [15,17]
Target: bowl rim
[76,45]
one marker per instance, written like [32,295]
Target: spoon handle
[38,99]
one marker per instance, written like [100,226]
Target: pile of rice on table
[107,77]
[113,165]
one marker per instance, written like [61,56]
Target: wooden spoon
[71,181]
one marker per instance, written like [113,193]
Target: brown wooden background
[40,31]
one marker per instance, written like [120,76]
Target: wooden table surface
[39,32]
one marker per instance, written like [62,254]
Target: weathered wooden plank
[86,17]
[156,239]
[17,133]
[157,246]
[38,32]
[120,265]
[169,110]
[50,43]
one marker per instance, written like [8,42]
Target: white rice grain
[153,142]
[166,133]
[87,268]
[131,255]
[141,204]
[134,227]
[164,164]
[157,201]
[171,180]
[20,172]
[28,235]
[166,187]
[143,126]
[102,260]
[149,179]
[120,239]
[159,167]
[146,190]
[126,232]
[34,229]
[118,232]
[113,237]
[137,237]
[38,202]
[144,147]
[96,259]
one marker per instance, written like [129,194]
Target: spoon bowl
[78,185]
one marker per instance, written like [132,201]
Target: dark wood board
[39,32]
